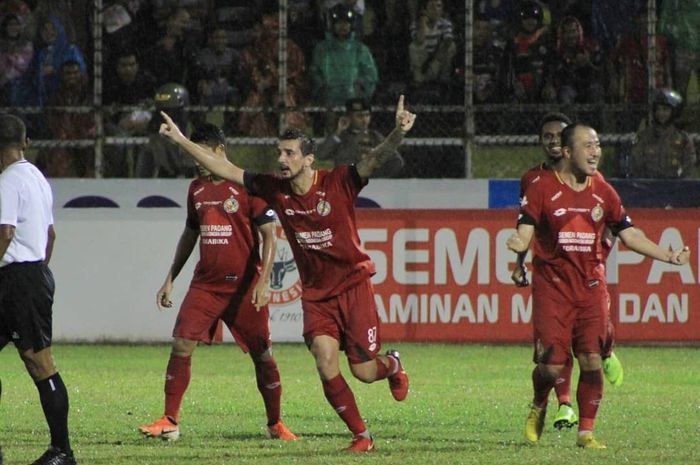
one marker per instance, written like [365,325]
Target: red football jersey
[530,175]
[569,226]
[533,174]
[224,215]
[321,228]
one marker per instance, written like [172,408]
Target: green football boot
[612,369]
[566,417]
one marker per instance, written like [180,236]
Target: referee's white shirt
[26,202]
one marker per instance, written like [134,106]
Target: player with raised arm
[566,212]
[230,283]
[317,211]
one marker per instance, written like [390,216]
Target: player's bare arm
[185,246]
[520,240]
[50,239]
[634,239]
[385,151]
[216,165]
[7,233]
[261,293]
[519,274]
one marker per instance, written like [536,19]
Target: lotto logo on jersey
[285,285]
[231,205]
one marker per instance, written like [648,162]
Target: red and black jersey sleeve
[192,221]
[350,180]
[261,212]
[616,217]
[531,204]
[262,185]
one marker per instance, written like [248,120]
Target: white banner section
[110,262]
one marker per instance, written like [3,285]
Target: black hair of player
[306,144]
[555,116]
[567,134]
[13,132]
[208,134]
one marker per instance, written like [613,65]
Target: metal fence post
[468,88]
[282,70]
[651,57]
[97,86]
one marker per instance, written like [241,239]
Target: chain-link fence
[478,117]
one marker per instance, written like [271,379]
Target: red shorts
[560,327]
[351,318]
[201,311]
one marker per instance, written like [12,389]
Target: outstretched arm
[635,239]
[218,166]
[386,150]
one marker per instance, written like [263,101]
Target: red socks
[542,386]
[589,396]
[343,402]
[383,371]
[562,385]
[268,378]
[177,378]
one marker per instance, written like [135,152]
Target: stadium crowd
[579,56]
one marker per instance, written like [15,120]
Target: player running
[317,211]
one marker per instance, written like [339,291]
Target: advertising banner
[445,276]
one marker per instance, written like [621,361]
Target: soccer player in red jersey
[316,209]
[566,212]
[230,284]
[550,137]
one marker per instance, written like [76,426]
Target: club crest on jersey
[597,213]
[231,205]
[323,208]
[285,284]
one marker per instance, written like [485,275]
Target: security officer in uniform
[353,140]
[662,150]
[162,159]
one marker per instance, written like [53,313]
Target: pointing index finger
[166,117]
[399,106]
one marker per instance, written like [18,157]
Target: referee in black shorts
[26,283]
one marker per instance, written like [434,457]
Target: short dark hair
[356,104]
[567,134]
[13,132]
[554,116]
[208,134]
[306,143]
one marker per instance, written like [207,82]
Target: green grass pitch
[467,405]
